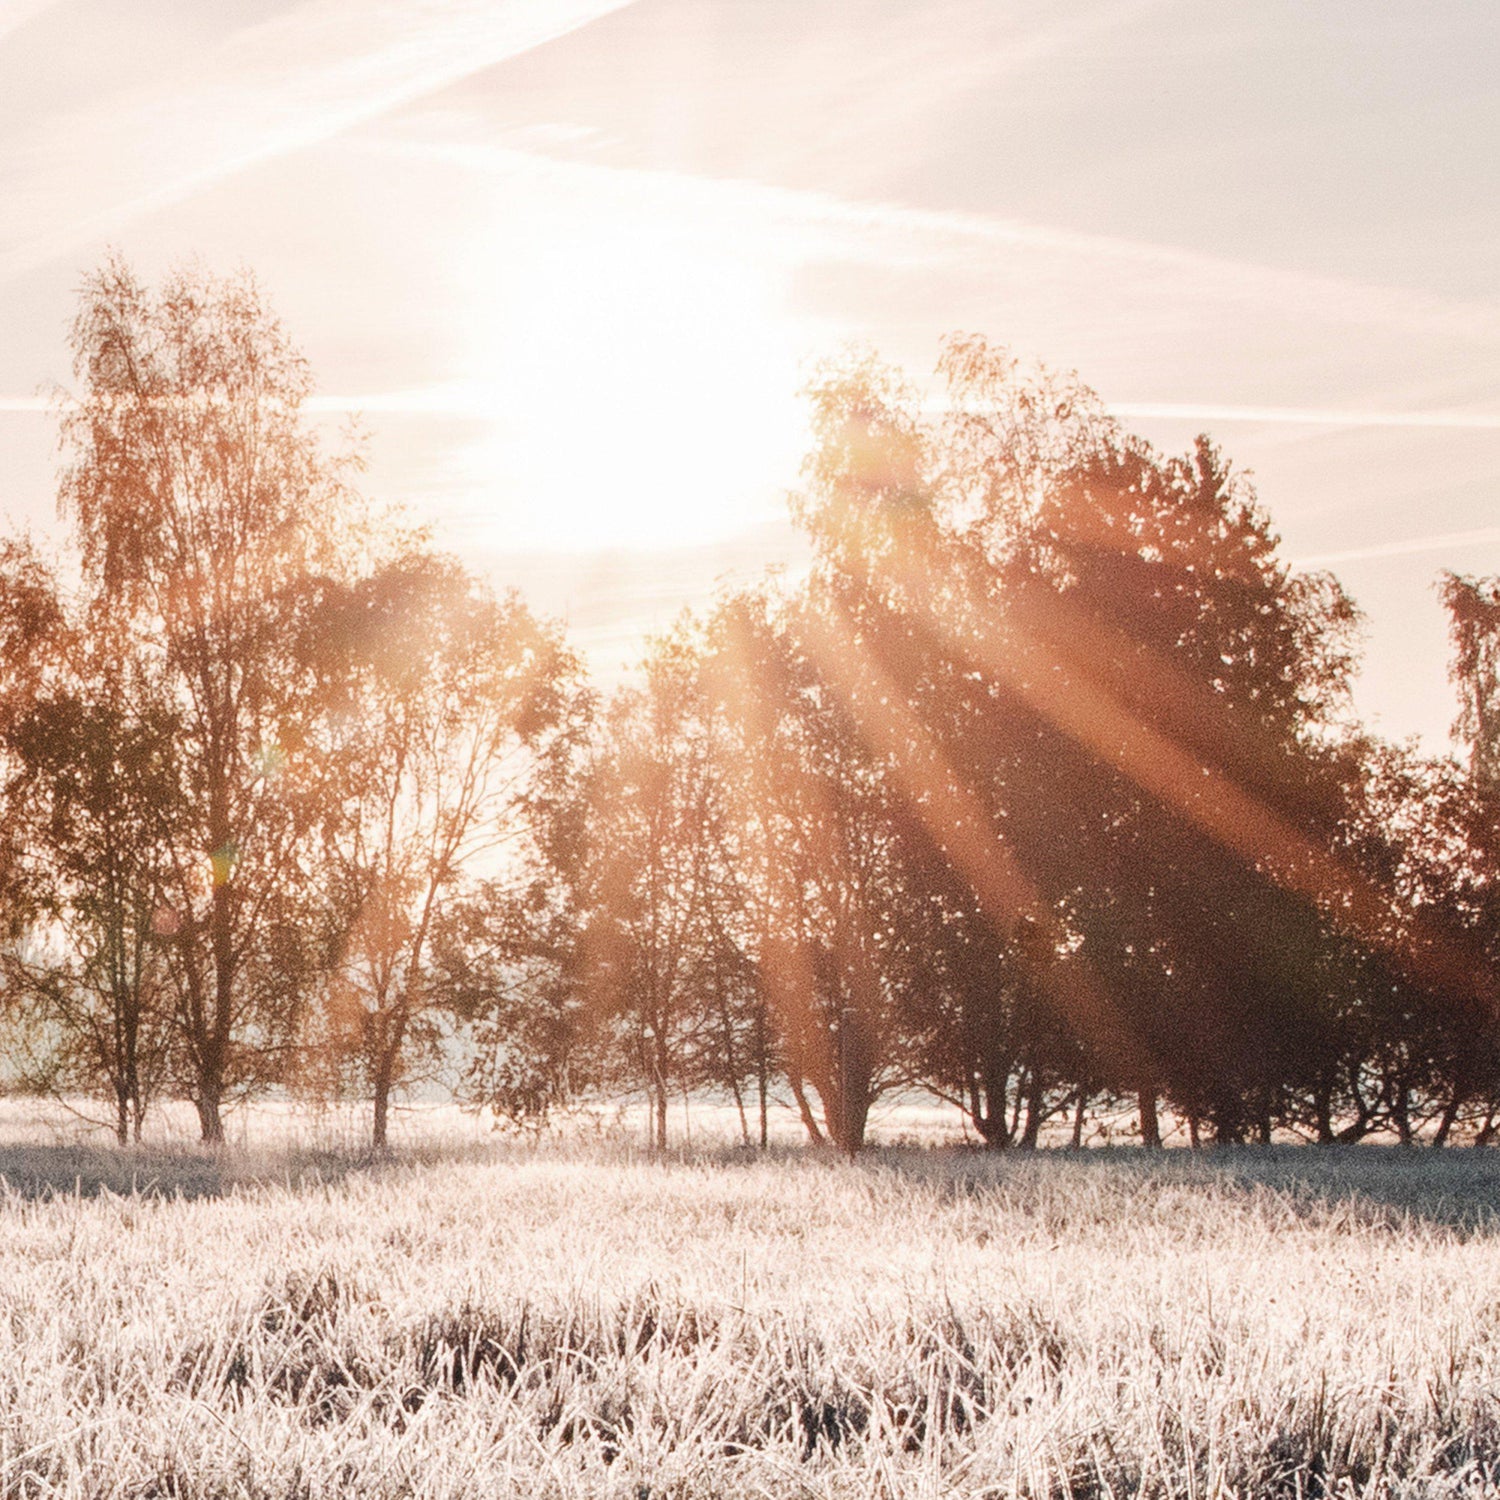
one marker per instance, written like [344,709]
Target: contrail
[1441,542]
[1308,416]
[440,400]
[1328,298]
[14,14]
[271,89]
[458,399]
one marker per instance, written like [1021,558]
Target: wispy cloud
[268,90]
[1445,541]
[451,399]
[1307,416]
[443,399]
[16,13]
[1054,260]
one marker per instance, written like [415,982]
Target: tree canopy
[1041,791]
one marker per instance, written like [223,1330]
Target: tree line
[1040,790]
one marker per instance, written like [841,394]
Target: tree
[510,954]
[1454,852]
[818,835]
[511,967]
[1193,674]
[202,506]
[977,1007]
[87,787]
[1101,693]
[742,663]
[449,716]
[659,957]
[33,635]
[96,787]
[1473,606]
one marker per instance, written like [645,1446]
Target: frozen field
[481,1319]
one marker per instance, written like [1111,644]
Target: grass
[477,1319]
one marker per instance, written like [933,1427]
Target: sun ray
[1059,663]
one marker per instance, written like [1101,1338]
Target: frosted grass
[583,1321]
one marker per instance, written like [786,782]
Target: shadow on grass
[1370,1186]
[1391,1186]
[39,1172]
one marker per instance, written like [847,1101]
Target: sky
[572,260]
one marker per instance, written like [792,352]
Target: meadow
[470,1317]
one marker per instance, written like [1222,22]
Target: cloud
[1049,261]
[14,14]
[269,89]
[1445,541]
[1307,416]
[452,399]
[459,400]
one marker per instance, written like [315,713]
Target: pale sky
[573,258]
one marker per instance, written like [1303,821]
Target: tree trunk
[387,1064]
[132,1040]
[982,1112]
[809,1119]
[203,1052]
[851,1084]
[659,1128]
[854,1115]
[382,1088]
[1445,1125]
[739,1104]
[210,1120]
[1323,1108]
[1401,1113]
[732,1072]
[1035,1099]
[1359,1126]
[989,1094]
[1080,1106]
[762,1073]
[1150,1124]
[221,937]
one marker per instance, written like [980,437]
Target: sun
[634,387]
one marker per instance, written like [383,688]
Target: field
[473,1318]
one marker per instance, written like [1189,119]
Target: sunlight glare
[641,388]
